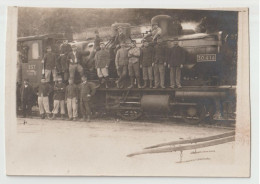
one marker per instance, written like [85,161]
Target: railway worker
[146,63]
[49,61]
[87,90]
[102,60]
[121,62]
[134,54]
[62,62]
[71,98]
[159,64]
[176,57]
[43,93]
[59,98]
[74,59]
[26,98]
[97,41]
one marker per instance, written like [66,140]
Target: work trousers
[48,75]
[72,106]
[159,74]
[85,107]
[43,102]
[27,107]
[148,73]
[75,67]
[175,76]
[134,69]
[58,104]
[122,73]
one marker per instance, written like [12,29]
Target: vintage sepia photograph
[128,92]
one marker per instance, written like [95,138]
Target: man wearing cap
[43,93]
[121,62]
[26,98]
[87,90]
[176,57]
[159,64]
[59,97]
[62,62]
[146,63]
[74,59]
[102,60]
[71,97]
[134,54]
[49,61]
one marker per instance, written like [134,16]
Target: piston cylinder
[155,103]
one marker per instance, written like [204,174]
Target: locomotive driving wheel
[129,114]
[193,114]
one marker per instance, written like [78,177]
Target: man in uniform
[71,97]
[62,62]
[74,59]
[26,98]
[49,61]
[175,58]
[87,90]
[102,60]
[44,91]
[121,62]
[59,98]
[159,64]
[134,54]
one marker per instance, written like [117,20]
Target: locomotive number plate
[206,57]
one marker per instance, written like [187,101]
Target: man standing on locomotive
[71,98]
[87,90]
[74,59]
[176,57]
[134,54]
[59,97]
[49,61]
[44,91]
[146,63]
[159,64]
[62,62]
[121,62]
[102,60]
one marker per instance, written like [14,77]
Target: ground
[100,147]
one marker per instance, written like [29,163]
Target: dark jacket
[74,59]
[147,56]
[97,42]
[121,57]
[49,61]
[159,54]
[26,94]
[176,56]
[86,89]
[44,89]
[65,49]
[102,58]
[59,91]
[72,91]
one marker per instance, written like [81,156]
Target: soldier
[146,63]
[44,91]
[26,98]
[71,97]
[59,98]
[121,62]
[87,90]
[159,64]
[74,59]
[102,60]
[49,61]
[175,58]
[62,62]
[134,54]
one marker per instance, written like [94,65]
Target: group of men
[64,96]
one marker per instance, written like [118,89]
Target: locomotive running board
[203,139]
[182,148]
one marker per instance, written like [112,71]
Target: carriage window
[35,50]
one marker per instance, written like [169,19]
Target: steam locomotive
[208,76]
